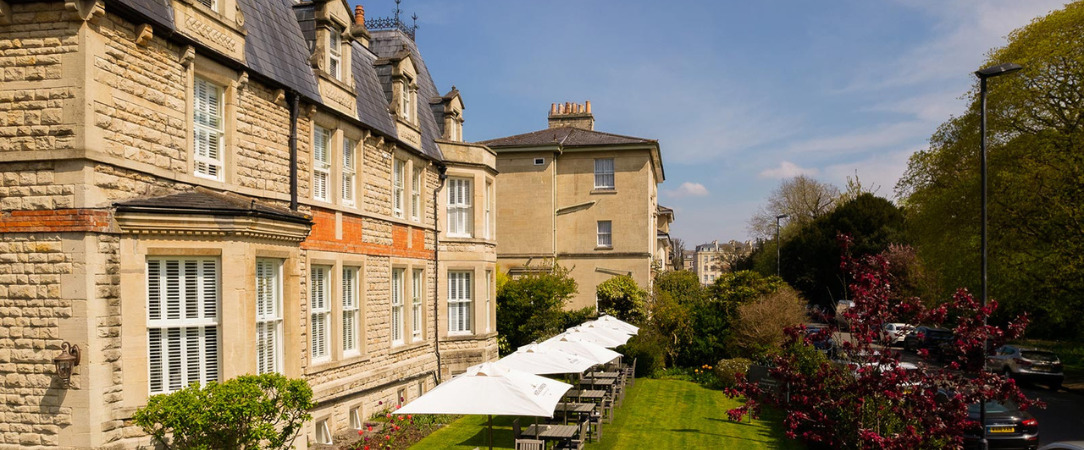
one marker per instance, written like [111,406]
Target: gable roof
[389,43]
[566,137]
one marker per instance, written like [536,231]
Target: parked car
[821,337]
[1006,427]
[894,333]
[1064,445]
[929,338]
[1028,365]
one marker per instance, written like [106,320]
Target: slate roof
[204,201]
[278,46]
[158,11]
[275,47]
[387,43]
[372,103]
[566,137]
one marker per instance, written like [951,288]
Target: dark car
[930,338]
[1028,365]
[1007,427]
[821,338]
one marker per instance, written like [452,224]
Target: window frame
[208,366]
[602,173]
[323,313]
[334,53]
[489,295]
[607,233]
[321,168]
[351,309]
[459,302]
[398,181]
[460,210]
[215,166]
[489,209]
[272,320]
[398,322]
[349,172]
[417,175]
[417,291]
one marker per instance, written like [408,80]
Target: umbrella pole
[490,416]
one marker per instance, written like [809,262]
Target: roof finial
[397,2]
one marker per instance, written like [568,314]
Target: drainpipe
[436,261]
[292,98]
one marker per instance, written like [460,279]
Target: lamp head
[998,70]
[781,216]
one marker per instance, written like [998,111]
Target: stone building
[194,190]
[584,198]
[714,259]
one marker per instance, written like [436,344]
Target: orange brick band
[322,237]
[55,221]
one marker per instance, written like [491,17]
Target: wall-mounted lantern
[68,359]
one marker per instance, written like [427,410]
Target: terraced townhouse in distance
[198,189]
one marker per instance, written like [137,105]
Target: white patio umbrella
[490,389]
[541,360]
[593,336]
[618,323]
[606,331]
[594,352]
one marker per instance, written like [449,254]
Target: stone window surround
[274,319]
[337,357]
[237,314]
[408,179]
[339,130]
[226,79]
[408,266]
[478,316]
[471,300]
[478,198]
[417,313]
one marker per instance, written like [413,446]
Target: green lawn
[656,414]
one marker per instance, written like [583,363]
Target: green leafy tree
[532,307]
[622,298]
[810,260]
[247,412]
[1036,184]
[671,312]
[711,314]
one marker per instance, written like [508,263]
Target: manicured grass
[656,414]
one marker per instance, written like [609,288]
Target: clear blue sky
[740,94]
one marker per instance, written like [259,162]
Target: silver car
[1028,365]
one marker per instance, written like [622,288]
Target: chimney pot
[589,107]
[359,15]
[553,108]
[568,107]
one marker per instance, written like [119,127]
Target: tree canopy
[1036,184]
[802,199]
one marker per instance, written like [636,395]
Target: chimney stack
[359,15]
[574,115]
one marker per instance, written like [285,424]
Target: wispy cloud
[863,140]
[786,169]
[688,189]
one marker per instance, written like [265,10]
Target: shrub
[757,327]
[250,411]
[532,307]
[726,370]
[648,350]
[622,298]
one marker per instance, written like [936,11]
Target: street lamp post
[781,216]
[989,72]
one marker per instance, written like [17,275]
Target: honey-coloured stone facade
[98,176]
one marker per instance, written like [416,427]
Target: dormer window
[406,96]
[213,4]
[335,43]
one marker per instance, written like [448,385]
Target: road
[1061,420]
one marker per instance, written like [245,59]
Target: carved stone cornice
[211,226]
